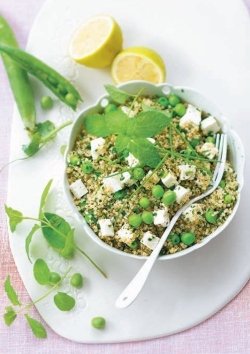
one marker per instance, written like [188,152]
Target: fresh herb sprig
[55,229]
[131,134]
[63,301]
[117,95]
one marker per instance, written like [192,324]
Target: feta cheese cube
[209,125]
[130,113]
[187,172]
[209,150]
[96,145]
[126,179]
[132,160]
[78,189]
[193,213]
[112,184]
[125,235]
[191,117]
[181,193]
[161,217]
[106,227]
[149,240]
[169,180]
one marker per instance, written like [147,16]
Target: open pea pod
[60,86]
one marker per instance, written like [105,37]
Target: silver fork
[135,286]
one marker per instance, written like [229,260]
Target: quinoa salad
[139,159]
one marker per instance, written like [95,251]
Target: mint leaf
[15,217]
[37,328]
[9,316]
[122,143]
[117,121]
[29,239]
[95,124]
[45,128]
[64,301]
[117,95]
[11,293]
[144,151]
[41,272]
[33,147]
[147,124]
[58,232]
[44,197]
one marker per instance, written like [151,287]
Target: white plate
[205,46]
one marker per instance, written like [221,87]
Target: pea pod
[61,87]
[18,79]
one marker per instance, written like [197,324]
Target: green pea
[169,198]
[188,238]
[52,81]
[222,184]
[98,322]
[134,244]
[180,109]
[228,199]
[110,108]
[135,220]
[194,142]
[76,280]
[70,99]
[157,191]
[163,101]
[54,278]
[74,160]
[46,102]
[144,202]
[173,100]
[210,139]
[119,195]
[138,173]
[175,239]
[147,217]
[211,216]
[62,89]
[87,167]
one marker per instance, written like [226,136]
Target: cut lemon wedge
[96,43]
[138,63]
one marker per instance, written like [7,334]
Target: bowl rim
[225,126]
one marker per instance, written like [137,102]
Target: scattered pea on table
[46,102]
[98,322]
[76,280]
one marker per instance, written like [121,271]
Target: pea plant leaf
[37,328]
[11,293]
[9,315]
[34,145]
[117,95]
[15,217]
[69,247]
[45,128]
[64,302]
[57,232]
[147,124]
[41,272]
[29,238]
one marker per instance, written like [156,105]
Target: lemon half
[138,63]
[96,43]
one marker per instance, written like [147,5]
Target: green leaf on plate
[34,145]
[29,239]
[11,293]
[44,198]
[64,301]
[15,217]
[37,328]
[9,315]
[117,95]
[69,247]
[45,128]
[41,272]
[57,233]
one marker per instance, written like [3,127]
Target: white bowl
[236,153]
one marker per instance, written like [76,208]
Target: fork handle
[132,290]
